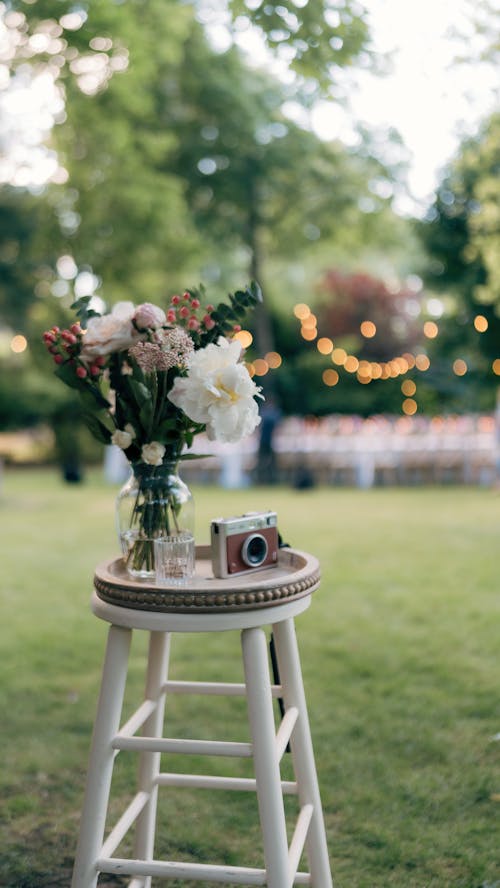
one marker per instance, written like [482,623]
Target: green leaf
[97,428]
[189,456]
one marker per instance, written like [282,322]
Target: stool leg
[149,762]
[266,764]
[100,770]
[302,751]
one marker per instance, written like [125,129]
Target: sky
[426,97]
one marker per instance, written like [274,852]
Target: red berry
[76,329]
[175,300]
[195,303]
[58,359]
[81,372]
[184,312]
[95,370]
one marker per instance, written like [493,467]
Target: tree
[461,236]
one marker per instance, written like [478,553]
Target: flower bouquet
[150,380]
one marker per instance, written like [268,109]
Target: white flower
[153,453]
[149,316]
[110,333]
[219,392]
[122,438]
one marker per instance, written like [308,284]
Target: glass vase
[153,504]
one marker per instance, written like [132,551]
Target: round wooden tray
[296,575]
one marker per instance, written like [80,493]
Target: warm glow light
[376,370]
[364,380]
[385,371]
[302,311]
[459,367]
[330,377]
[351,364]
[394,368]
[365,369]
[368,329]
[339,356]
[402,364]
[408,387]
[431,329]
[496,366]
[18,344]
[260,366]
[308,334]
[310,321]
[422,362]
[324,345]
[273,359]
[410,359]
[481,323]
[409,406]
[251,369]
[244,337]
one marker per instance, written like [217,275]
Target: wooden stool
[245,603]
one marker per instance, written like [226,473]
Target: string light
[422,362]
[496,366]
[339,356]
[459,367]
[18,344]
[409,407]
[368,329]
[431,329]
[351,364]
[330,377]
[301,311]
[310,321]
[260,367]
[244,337]
[324,345]
[408,387]
[480,323]
[274,360]
[308,334]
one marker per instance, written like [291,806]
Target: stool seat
[246,603]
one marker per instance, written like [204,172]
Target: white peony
[110,333]
[219,392]
[153,453]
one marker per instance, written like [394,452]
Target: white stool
[245,603]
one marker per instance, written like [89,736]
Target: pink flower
[184,312]
[148,316]
[193,324]
[186,296]
[208,322]
[195,303]
[209,308]
[171,317]
[58,359]
[175,300]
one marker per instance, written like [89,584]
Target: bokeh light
[330,377]
[480,323]
[274,360]
[324,345]
[310,322]
[409,407]
[408,387]
[422,362]
[18,344]
[260,367]
[301,311]
[459,367]
[368,329]
[339,356]
[308,334]
[496,366]
[431,329]
[244,337]
[351,364]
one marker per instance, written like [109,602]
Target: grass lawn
[401,663]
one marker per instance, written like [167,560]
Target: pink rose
[148,316]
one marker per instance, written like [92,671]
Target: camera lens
[254,550]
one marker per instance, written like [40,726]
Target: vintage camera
[246,543]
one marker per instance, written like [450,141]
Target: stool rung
[137,720]
[285,730]
[299,838]
[198,872]
[205,781]
[215,688]
[185,746]
[124,823]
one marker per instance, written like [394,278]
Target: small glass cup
[174,559]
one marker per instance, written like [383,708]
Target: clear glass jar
[154,503]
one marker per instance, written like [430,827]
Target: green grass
[400,657]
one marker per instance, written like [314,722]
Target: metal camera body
[246,543]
